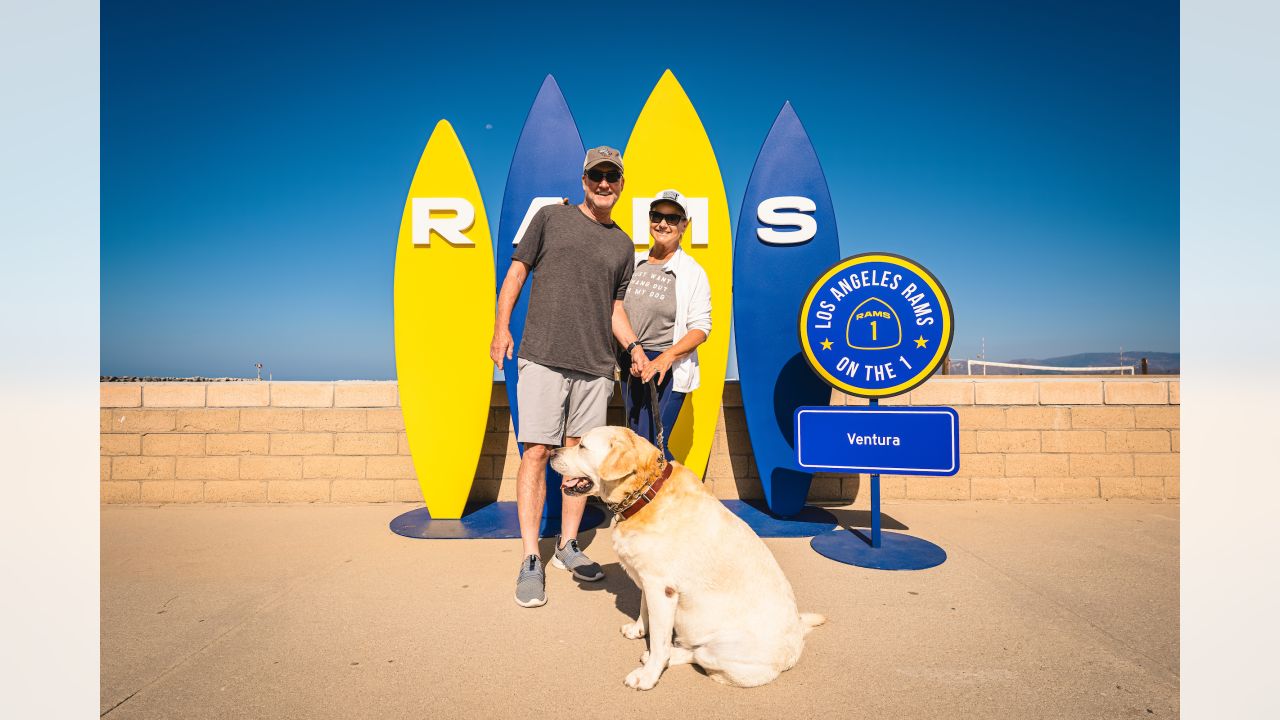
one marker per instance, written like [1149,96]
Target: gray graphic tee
[651,306]
[579,267]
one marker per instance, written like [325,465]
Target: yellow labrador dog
[702,572]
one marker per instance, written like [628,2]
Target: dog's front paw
[633,630]
[642,679]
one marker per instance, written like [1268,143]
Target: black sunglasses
[612,176]
[672,219]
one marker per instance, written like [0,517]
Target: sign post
[877,325]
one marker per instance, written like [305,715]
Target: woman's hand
[658,366]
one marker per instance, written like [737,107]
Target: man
[582,263]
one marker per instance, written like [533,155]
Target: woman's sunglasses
[672,219]
[612,176]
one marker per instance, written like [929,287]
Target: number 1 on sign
[873,329]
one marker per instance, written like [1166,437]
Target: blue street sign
[894,440]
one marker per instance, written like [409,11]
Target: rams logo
[873,325]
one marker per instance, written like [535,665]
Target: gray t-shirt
[651,305]
[579,268]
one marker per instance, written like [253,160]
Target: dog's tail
[812,620]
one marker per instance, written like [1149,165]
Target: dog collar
[636,501]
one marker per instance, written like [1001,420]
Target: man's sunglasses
[672,219]
[612,176]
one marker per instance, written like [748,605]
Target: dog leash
[655,415]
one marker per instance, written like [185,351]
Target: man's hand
[501,346]
[657,366]
[638,361]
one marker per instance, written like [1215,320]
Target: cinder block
[892,487]
[402,444]
[138,421]
[142,468]
[173,444]
[981,464]
[1162,418]
[270,468]
[898,400]
[111,394]
[1175,439]
[367,395]
[1006,392]
[385,420]
[1071,392]
[207,420]
[238,394]
[301,443]
[1101,465]
[271,420]
[104,468]
[120,444]
[968,441]
[1136,488]
[1161,465]
[495,443]
[1073,441]
[1067,488]
[365,444]
[302,394]
[236,444]
[981,418]
[333,467]
[410,491]
[943,392]
[253,491]
[1136,392]
[1102,418]
[160,491]
[825,487]
[208,468]
[1008,441]
[1172,489]
[484,467]
[344,420]
[506,489]
[298,491]
[401,466]
[121,492]
[1038,418]
[188,491]
[938,488]
[499,420]
[1036,465]
[498,398]
[1175,397]
[173,394]
[362,491]
[1123,441]
[1003,488]
[510,465]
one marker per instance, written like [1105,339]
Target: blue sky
[256,156]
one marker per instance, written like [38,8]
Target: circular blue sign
[876,325]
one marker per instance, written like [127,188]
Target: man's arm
[502,345]
[625,336]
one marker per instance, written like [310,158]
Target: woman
[669,305]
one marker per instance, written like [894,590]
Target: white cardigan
[693,312]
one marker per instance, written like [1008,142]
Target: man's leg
[571,507]
[531,494]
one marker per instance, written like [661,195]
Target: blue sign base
[808,522]
[896,551]
[495,521]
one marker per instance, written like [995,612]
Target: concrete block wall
[1022,439]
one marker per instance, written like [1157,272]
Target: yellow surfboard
[444,304]
[669,148]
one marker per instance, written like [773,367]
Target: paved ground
[1044,611]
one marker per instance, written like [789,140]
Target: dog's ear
[618,462]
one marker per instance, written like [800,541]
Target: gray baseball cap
[672,196]
[602,154]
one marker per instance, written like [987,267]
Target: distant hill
[1158,363]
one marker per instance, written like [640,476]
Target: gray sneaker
[570,557]
[531,586]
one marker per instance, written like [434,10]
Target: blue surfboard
[546,167]
[786,238]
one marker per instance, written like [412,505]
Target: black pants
[637,400]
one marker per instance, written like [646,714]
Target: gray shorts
[556,403]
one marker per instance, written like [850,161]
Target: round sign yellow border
[948,324]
